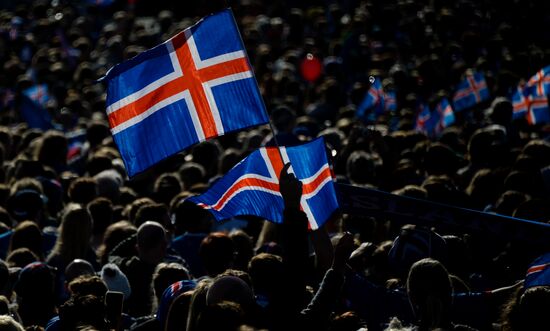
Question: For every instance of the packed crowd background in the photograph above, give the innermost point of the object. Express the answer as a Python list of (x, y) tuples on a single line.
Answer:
[(73, 226)]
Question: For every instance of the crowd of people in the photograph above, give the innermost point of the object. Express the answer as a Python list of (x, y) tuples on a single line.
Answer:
[(84, 247)]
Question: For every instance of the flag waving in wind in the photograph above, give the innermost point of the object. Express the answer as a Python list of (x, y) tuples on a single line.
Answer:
[(470, 91), (195, 86), (252, 186)]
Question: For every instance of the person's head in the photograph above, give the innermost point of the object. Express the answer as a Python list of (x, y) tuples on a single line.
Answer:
[(20, 257), (88, 285), (7, 323), (430, 293), (178, 312), (52, 150), (165, 275), (224, 315), (83, 190), (166, 187), (191, 173), (527, 309), (157, 212), (188, 217), (27, 234), (101, 210), (244, 249), (151, 242), (135, 206), (82, 310), (75, 231), (265, 271), (26, 200), (36, 293), (108, 184), (217, 252), (77, 268), (115, 234), (361, 168)]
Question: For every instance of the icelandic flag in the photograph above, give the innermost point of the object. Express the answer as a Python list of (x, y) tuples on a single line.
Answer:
[(32, 112), (195, 86), (424, 123), (540, 82), (389, 101), (470, 91), (538, 273), (374, 99), (445, 116), (38, 93), (520, 103), (252, 186), (539, 113)]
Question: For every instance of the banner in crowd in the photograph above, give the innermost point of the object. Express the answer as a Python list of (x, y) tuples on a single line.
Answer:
[(368, 202)]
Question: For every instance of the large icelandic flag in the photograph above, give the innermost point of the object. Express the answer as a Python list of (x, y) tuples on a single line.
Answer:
[(195, 86), (538, 273), (252, 186), (470, 91)]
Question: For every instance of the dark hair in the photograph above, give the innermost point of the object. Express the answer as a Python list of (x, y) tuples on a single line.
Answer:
[(88, 285), (217, 253), (27, 234), (156, 212), (83, 190), (430, 292), (101, 210), (114, 235), (165, 275)]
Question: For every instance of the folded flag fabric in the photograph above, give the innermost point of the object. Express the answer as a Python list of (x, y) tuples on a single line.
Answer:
[(252, 186), (470, 91), (390, 101), (195, 86), (538, 273)]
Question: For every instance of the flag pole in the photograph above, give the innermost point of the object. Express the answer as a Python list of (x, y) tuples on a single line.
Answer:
[(261, 97)]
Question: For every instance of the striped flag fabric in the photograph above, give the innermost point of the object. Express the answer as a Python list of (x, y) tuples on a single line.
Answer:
[(195, 86), (470, 91), (252, 186), (538, 273)]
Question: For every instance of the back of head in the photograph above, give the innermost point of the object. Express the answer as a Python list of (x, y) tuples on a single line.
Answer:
[(188, 217), (77, 268), (156, 212), (430, 292), (27, 234), (221, 316), (88, 285), (217, 253), (101, 210), (167, 274), (266, 271), (7, 323), (533, 308), (151, 242), (75, 233), (83, 190), (84, 310), (166, 187)]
